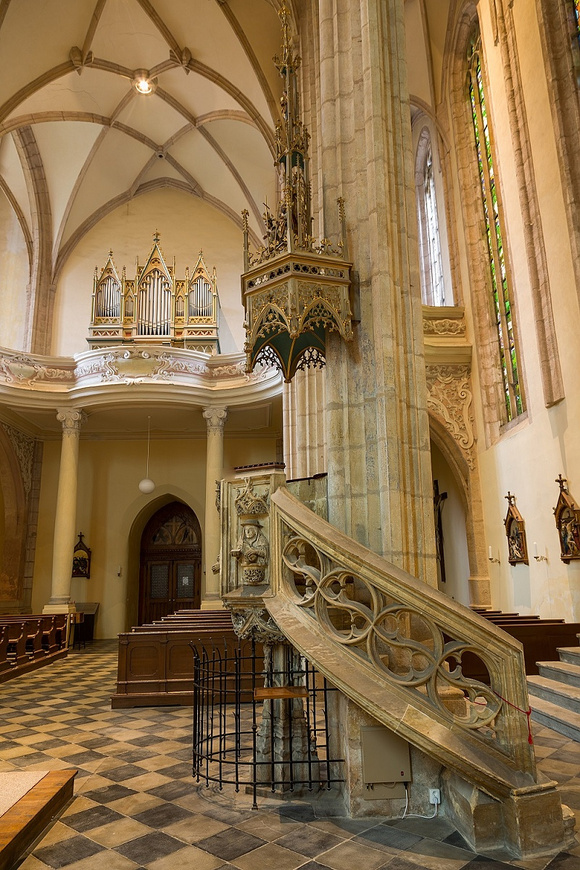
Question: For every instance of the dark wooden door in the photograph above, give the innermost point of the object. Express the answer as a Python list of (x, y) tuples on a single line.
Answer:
[(170, 563)]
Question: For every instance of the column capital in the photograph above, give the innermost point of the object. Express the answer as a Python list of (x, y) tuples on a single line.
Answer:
[(215, 418), (71, 418)]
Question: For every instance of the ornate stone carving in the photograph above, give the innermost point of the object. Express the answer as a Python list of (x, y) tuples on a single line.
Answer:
[(103, 366), (215, 418), (23, 446), (71, 418), (450, 398), (228, 371), (443, 327), (246, 534), (257, 624), (249, 503), (252, 552), (24, 370), (293, 287), (127, 366)]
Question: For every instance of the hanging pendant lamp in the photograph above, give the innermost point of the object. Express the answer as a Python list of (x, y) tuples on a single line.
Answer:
[(146, 485)]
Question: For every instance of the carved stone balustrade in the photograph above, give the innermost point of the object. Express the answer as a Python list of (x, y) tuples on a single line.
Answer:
[(394, 646), (176, 371)]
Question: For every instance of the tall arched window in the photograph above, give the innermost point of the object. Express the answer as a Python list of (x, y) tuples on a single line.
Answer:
[(435, 281), (503, 312)]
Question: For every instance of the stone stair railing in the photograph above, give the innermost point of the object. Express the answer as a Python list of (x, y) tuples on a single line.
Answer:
[(406, 640), (394, 646)]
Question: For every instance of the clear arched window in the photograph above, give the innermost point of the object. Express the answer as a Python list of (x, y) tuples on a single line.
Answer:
[(435, 281), (503, 313)]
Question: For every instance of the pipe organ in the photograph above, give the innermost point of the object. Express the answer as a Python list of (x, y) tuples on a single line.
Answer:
[(155, 307)]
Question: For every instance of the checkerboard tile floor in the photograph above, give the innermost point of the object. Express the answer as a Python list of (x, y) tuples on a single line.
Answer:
[(137, 806)]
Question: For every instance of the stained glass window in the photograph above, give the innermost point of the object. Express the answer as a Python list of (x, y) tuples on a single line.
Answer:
[(501, 297), (577, 13)]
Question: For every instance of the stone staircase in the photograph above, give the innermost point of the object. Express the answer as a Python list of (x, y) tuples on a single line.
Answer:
[(555, 693)]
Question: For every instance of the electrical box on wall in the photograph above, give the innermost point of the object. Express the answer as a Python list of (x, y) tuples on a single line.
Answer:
[(385, 756)]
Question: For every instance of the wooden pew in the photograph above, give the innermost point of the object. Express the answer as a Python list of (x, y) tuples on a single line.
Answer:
[(29, 641), (155, 666), (540, 638)]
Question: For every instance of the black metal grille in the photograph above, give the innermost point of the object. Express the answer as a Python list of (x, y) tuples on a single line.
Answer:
[(281, 742)]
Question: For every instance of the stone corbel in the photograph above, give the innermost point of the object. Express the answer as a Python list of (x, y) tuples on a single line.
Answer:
[(449, 398), (255, 623)]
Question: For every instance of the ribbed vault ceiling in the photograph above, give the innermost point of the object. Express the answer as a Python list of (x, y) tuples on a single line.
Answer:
[(77, 140)]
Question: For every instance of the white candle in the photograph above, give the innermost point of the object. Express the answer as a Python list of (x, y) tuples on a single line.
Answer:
[(490, 553), (535, 549)]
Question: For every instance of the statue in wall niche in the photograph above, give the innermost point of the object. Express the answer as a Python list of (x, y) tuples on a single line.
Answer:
[(252, 552), (567, 516), (515, 529)]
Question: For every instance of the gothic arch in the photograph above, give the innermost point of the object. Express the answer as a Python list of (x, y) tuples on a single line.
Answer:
[(434, 263), (466, 476), (142, 517)]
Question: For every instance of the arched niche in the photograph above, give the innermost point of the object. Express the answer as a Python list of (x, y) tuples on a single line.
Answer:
[(467, 512)]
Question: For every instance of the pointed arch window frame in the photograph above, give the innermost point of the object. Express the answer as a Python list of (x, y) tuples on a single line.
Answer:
[(435, 268)]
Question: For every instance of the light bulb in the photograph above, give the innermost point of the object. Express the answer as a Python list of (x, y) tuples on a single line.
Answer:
[(146, 485)]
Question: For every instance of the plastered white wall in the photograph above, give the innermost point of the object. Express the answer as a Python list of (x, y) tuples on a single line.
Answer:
[(545, 442), (14, 276)]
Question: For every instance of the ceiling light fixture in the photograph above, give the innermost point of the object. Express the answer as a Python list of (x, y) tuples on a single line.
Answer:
[(142, 82), (146, 485)]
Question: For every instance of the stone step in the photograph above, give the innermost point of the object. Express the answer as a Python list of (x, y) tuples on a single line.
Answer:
[(555, 692), (561, 672), (551, 716), (570, 654)]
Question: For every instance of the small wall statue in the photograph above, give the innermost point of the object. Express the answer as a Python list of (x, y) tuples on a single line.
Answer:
[(81, 566), (515, 529), (252, 552), (567, 516)]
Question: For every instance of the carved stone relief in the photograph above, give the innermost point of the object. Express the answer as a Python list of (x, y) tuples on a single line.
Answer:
[(245, 532), (257, 624), (23, 446), (443, 327), (450, 398)]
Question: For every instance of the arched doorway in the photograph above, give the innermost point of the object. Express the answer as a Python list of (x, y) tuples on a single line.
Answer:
[(170, 570)]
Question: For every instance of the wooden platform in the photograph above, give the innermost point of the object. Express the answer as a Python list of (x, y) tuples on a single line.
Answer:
[(23, 823)]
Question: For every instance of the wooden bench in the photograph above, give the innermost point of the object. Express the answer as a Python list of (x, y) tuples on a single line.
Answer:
[(28, 641), (156, 660), (155, 665), (540, 638)]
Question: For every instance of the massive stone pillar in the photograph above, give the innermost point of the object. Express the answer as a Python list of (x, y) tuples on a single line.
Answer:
[(304, 433), (379, 478), (66, 511), (215, 418)]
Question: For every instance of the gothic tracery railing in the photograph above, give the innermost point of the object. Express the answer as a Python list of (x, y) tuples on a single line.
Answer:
[(409, 635), (400, 641)]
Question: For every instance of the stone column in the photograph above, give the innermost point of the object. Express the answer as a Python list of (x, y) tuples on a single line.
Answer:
[(304, 433), (66, 511), (215, 418), (378, 459)]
